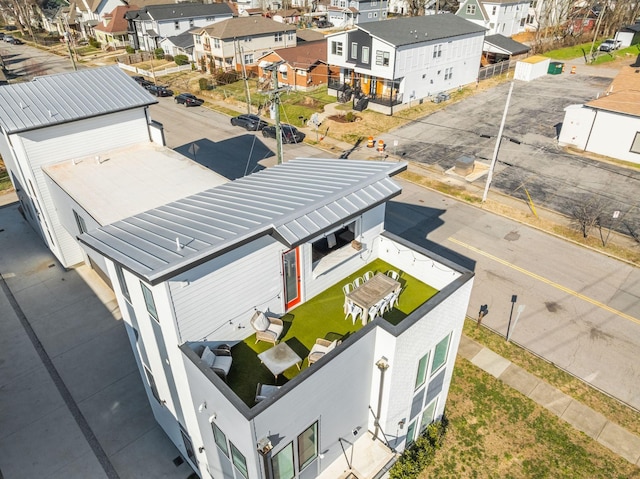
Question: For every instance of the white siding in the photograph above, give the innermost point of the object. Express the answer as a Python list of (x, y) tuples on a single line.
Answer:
[(613, 134), (65, 206), (577, 124), (215, 299), (371, 225), (422, 337), (425, 75), (74, 140)]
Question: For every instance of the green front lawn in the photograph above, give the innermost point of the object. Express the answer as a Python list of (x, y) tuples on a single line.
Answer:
[(320, 317)]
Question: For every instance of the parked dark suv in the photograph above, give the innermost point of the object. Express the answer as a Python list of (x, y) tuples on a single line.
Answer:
[(290, 134), (187, 99), (159, 90), (249, 122), (142, 81)]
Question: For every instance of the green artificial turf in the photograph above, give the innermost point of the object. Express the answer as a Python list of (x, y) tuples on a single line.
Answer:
[(320, 317)]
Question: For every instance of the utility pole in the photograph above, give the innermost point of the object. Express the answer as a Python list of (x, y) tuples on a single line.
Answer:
[(67, 37), (595, 34), (244, 77), (275, 95), (495, 150)]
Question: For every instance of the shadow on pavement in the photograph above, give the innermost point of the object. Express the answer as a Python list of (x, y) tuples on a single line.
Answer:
[(232, 158)]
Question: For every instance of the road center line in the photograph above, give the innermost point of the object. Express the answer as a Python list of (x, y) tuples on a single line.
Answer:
[(546, 281)]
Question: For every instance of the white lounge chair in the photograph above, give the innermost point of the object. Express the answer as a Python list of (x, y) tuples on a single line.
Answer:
[(267, 328), (322, 347)]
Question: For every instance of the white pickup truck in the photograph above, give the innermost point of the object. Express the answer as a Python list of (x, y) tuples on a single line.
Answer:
[(609, 44)]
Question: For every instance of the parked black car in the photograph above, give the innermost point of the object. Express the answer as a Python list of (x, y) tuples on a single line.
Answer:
[(15, 41), (8, 38), (159, 90), (290, 134), (187, 99), (324, 24), (249, 122), (142, 81)]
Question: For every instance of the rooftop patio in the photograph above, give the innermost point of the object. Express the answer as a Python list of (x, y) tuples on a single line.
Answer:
[(320, 317)]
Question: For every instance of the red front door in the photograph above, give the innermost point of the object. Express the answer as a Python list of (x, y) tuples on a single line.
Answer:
[(291, 268)]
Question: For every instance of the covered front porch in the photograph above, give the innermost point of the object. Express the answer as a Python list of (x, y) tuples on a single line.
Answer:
[(381, 94)]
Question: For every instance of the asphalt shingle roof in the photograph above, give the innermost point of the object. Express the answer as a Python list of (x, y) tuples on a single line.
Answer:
[(245, 26), (409, 30), (186, 10), (507, 44)]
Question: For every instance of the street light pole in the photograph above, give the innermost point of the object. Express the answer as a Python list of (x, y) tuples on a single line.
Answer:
[(495, 150)]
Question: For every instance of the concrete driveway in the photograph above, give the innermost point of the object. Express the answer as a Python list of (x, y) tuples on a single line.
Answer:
[(528, 156)]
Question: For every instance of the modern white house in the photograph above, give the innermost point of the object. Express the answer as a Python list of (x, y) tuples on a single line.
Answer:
[(404, 60), (504, 17), (299, 392), (41, 126), (150, 25), (191, 274), (610, 124), (240, 41)]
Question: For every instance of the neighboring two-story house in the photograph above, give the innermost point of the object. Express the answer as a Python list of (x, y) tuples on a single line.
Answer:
[(404, 60), (347, 13), (503, 17), (192, 257), (230, 44), (149, 25), (113, 30), (91, 12)]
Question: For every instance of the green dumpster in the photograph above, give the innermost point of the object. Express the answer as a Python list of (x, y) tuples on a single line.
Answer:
[(555, 68)]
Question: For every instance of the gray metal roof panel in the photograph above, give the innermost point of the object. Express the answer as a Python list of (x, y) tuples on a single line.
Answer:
[(67, 97), (176, 11), (410, 30), (298, 200)]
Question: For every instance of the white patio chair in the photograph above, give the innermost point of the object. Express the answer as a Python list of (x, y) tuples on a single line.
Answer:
[(376, 310), (367, 276), (322, 347), (267, 328), (353, 311), (346, 289), (393, 274), (264, 391), (358, 282)]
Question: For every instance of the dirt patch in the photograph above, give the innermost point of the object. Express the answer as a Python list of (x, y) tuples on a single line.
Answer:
[(344, 118)]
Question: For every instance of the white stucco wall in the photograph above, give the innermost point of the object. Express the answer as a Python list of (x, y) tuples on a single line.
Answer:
[(576, 126)]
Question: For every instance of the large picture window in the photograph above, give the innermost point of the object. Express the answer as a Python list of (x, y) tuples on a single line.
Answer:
[(336, 48), (220, 438), (239, 460), (333, 241), (440, 354), (308, 446), (382, 58), (148, 299), (282, 463), (123, 283), (422, 371), (427, 415)]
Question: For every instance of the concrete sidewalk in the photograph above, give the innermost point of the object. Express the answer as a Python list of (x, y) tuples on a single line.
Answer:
[(593, 424), (72, 404)]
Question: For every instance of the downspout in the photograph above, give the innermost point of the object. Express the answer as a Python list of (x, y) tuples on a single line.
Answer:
[(586, 144), (382, 365)]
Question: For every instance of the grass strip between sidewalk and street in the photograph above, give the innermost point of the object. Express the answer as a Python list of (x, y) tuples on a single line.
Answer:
[(496, 432), (579, 390)]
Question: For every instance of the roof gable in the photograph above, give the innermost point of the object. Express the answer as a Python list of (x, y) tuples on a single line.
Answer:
[(244, 26), (479, 13), (410, 30), (118, 22), (294, 202), (67, 97)]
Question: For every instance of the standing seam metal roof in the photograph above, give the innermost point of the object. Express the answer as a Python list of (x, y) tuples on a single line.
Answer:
[(66, 97), (294, 202)]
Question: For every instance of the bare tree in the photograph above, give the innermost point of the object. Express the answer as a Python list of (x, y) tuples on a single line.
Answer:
[(587, 213)]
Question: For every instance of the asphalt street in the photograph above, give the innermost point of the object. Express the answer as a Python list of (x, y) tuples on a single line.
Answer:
[(581, 309), (529, 157)]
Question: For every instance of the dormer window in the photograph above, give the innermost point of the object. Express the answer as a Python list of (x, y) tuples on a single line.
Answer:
[(471, 9)]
